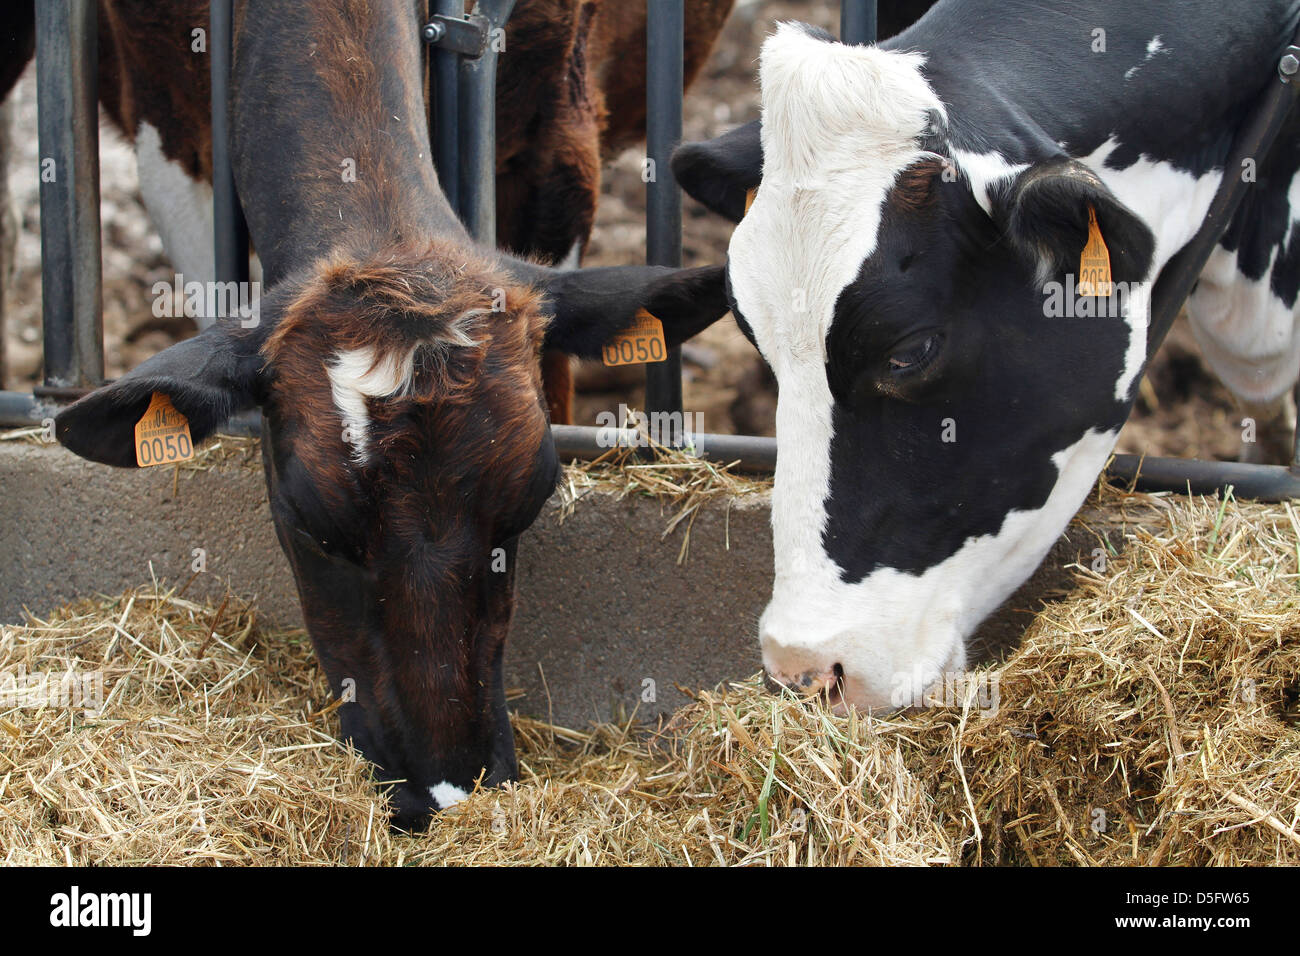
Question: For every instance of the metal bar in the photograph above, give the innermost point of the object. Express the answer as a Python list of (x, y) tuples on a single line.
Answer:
[(858, 21), (20, 409), (67, 61), (478, 144), (1183, 475), (229, 229), (583, 441), (444, 107), (665, 31)]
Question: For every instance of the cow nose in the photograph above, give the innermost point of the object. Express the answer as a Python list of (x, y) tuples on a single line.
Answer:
[(808, 682)]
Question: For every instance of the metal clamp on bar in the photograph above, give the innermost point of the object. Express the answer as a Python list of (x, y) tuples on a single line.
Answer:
[(467, 36)]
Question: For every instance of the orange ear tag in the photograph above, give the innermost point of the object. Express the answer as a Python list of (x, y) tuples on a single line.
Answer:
[(642, 341), (749, 199), (1094, 264), (162, 436)]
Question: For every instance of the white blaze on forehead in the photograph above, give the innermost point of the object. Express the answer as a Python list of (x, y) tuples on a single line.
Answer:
[(839, 125), (356, 374), (446, 795)]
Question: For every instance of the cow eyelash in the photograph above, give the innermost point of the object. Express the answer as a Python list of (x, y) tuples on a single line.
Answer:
[(914, 356)]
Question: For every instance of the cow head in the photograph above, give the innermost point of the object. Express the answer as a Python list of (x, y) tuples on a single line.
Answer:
[(937, 423), (406, 448)]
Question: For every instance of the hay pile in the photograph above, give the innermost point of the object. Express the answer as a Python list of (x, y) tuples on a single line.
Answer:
[(1150, 717)]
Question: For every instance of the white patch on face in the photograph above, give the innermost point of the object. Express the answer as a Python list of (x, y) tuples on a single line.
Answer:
[(839, 124), (896, 634), (446, 795), (983, 170), (180, 207), (356, 375)]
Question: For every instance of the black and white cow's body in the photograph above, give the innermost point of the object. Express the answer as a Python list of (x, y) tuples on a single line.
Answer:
[(923, 204)]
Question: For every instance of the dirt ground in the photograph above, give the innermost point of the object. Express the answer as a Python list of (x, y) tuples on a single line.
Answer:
[(1183, 412)]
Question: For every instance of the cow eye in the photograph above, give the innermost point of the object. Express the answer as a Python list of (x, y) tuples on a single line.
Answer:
[(915, 354)]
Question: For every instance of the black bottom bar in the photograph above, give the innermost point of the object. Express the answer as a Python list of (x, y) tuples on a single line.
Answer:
[(758, 454), (1179, 475)]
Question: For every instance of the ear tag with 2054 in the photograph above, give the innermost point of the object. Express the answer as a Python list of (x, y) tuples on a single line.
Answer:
[(1094, 263)]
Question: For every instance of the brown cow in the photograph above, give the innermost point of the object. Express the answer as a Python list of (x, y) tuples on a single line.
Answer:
[(405, 440)]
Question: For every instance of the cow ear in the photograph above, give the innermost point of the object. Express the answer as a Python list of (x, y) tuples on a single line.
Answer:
[(720, 172), (208, 378), (590, 306), (1045, 211)]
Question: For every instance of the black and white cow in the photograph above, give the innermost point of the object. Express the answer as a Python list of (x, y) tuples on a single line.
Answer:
[(908, 269)]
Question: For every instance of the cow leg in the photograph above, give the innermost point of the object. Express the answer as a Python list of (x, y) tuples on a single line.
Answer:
[(180, 207), (1250, 339), (1267, 431)]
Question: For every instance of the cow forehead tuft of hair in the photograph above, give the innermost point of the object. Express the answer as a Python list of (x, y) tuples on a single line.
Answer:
[(826, 104), (429, 297)]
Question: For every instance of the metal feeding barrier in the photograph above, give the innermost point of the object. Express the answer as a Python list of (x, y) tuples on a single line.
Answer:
[(463, 53)]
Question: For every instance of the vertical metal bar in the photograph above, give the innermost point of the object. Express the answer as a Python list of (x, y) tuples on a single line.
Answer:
[(444, 104), (858, 22), (665, 28), (67, 61), (478, 141), (229, 230)]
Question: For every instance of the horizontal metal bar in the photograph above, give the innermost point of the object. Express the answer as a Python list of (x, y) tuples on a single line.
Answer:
[(758, 454), (583, 441), (1184, 475), (21, 409)]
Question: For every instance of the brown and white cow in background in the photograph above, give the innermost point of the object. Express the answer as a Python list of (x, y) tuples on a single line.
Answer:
[(571, 96), (405, 437)]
